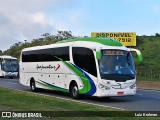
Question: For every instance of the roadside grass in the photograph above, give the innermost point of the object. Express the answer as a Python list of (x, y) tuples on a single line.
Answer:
[(13, 100), (24, 101)]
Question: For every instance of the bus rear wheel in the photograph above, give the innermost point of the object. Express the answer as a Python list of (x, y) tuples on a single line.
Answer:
[(74, 91), (33, 86)]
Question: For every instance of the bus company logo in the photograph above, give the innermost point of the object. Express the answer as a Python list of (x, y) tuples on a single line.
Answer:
[(58, 66), (119, 85), (41, 67)]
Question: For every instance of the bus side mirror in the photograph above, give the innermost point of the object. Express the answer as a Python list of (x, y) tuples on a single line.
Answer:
[(139, 54), (98, 55)]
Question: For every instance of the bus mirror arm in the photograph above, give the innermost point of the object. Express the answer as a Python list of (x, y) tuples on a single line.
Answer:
[(139, 54), (98, 55)]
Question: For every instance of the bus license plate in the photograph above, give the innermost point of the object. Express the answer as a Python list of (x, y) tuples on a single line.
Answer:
[(120, 93)]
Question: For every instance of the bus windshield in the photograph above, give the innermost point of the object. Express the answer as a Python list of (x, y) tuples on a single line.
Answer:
[(10, 65), (116, 65)]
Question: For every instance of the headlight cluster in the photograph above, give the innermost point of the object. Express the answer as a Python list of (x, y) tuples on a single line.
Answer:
[(3, 73), (103, 87), (133, 86)]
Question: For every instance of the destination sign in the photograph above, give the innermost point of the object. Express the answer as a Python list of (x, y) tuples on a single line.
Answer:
[(113, 52), (126, 38)]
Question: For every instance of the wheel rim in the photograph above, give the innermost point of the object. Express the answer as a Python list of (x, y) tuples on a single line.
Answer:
[(33, 86), (75, 91)]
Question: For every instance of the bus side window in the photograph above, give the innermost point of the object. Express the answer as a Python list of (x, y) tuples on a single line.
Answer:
[(84, 58), (44, 55)]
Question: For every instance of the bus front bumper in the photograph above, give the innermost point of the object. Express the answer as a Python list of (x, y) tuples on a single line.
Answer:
[(10, 74), (116, 92)]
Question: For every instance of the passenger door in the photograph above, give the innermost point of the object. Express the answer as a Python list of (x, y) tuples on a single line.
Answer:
[(85, 60)]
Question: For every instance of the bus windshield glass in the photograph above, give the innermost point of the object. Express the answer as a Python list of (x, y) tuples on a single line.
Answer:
[(10, 65), (116, 65)]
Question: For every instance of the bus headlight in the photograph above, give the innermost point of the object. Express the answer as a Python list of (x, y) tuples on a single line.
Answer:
[(3, 73), (133, 86), (103, 87)]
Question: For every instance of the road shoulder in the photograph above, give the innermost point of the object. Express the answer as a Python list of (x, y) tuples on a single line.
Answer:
[(149, 85)]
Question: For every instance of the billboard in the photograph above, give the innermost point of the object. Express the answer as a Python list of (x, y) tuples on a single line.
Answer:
[(126, 38)]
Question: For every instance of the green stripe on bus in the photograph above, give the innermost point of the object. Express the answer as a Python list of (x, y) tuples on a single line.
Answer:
[(52, 87), (87, 86)]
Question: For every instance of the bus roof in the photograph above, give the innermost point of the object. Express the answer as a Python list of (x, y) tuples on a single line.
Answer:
[(7, 57), (98, 42), (101, 40)]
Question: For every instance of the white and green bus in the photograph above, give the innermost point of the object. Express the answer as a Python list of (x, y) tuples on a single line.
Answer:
[(92, 66), (9, 66)]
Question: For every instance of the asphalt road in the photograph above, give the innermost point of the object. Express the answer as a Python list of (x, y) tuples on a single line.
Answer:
[(144, 100)]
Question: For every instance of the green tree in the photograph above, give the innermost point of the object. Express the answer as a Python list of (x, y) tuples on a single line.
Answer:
[(157, 34), (46, 39)]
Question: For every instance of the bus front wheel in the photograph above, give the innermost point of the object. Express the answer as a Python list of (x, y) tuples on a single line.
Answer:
[(74, 91)]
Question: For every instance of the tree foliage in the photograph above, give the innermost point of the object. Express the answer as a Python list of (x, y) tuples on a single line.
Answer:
[(157, 34), (46, 39), (150, 48)]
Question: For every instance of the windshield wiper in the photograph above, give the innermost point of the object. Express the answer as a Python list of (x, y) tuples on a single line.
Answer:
[(131, 76)]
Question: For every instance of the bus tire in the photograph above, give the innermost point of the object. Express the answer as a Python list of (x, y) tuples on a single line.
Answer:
[(33, 86), (74, 91)]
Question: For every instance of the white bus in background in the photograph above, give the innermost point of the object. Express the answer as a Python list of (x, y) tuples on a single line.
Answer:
[(9, 66), (100, 67)]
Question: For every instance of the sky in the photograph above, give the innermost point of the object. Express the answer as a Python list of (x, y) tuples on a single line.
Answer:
[(28, 19)]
